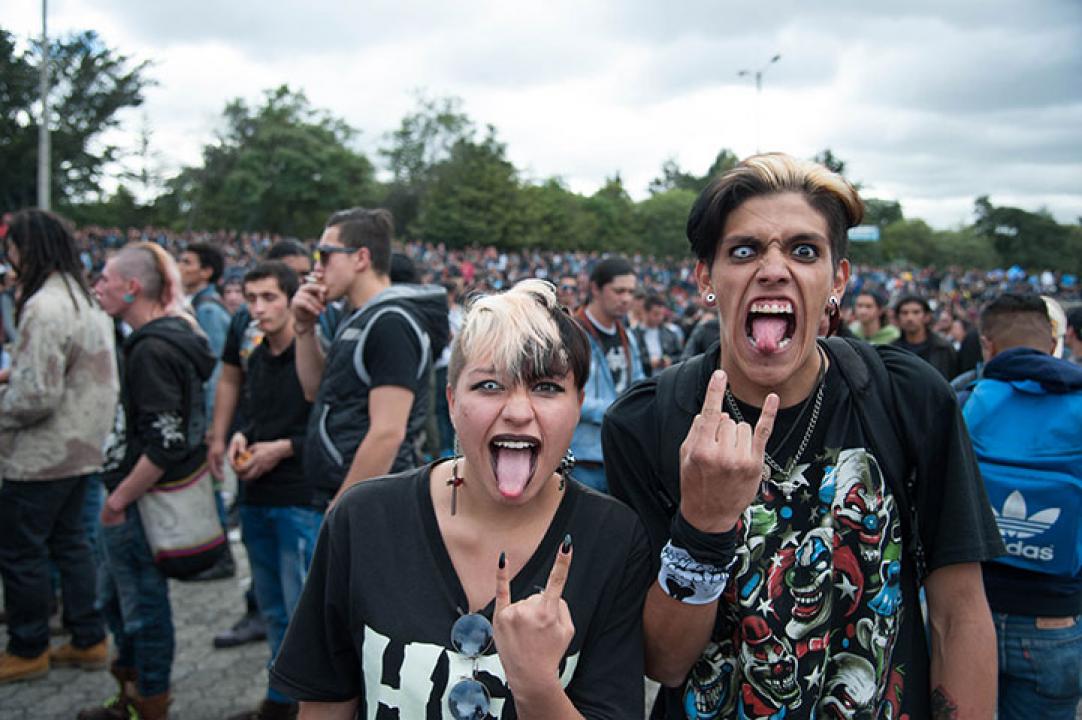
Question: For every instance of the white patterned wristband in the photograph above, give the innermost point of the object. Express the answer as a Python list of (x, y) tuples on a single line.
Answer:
[(684, 578)]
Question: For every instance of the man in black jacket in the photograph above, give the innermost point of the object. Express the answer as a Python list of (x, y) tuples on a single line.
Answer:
[(914, 317), (371, 387), (166, 361)]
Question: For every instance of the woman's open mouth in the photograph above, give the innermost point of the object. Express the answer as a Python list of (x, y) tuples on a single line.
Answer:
[(770, 325), (514, 461)]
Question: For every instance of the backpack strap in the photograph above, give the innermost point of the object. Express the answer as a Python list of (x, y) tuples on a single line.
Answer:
[(864, 372)]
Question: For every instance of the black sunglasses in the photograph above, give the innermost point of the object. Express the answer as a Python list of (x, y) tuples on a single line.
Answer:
[(471, 636), (329, 250), (569, 288)]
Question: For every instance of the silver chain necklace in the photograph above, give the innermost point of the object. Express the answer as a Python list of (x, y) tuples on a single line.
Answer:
[(769, 461)]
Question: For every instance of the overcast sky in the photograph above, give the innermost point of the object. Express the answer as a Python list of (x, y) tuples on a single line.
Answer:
[(929, 103)]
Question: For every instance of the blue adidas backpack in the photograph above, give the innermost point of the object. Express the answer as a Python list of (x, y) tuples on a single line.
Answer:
[(1029, 445)]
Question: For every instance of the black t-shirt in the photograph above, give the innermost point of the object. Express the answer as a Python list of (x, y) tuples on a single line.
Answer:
[(616, 355), (374, 620), (277, 410), (821, 611)]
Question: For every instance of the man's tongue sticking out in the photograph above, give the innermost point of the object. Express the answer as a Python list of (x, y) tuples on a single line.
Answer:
[(513, 469), (768, 331)]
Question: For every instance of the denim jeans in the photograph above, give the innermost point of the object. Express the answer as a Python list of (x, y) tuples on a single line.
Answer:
[(134, 597), (42, 521), (1040, 670), (280, 541)]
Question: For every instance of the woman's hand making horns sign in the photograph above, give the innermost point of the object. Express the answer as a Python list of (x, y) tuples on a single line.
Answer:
[(721, 461)]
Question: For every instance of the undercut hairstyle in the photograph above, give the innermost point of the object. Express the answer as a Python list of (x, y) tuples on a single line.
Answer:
[(369, 229), (771, 174), (156, 271), (609, 269), (287, 278), (653, 301), (524, 334), (45, 244), (288, 248), (1017, 320), (909, 300), (1074, 322), (209, 257)]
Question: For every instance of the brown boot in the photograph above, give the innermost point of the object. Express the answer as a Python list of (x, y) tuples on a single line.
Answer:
[(155, 707), (95, 657), (119, 706), (14, 667)]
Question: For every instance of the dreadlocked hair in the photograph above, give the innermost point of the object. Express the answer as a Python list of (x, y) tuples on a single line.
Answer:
[(45, 244)]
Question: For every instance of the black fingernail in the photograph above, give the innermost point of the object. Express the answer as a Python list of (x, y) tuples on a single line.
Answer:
[(566, 547), (503, 560)]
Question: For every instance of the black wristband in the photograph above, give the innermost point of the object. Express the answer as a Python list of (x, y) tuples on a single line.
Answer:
[(717, 549)]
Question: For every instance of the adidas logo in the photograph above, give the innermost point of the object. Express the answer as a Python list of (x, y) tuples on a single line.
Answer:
[(1014, 523)]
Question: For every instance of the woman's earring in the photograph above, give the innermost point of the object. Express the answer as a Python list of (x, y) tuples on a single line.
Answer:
[(834, 308), (567, 463), (710, 298)]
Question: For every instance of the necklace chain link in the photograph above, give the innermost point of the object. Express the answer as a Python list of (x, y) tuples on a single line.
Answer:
[(731, 402)]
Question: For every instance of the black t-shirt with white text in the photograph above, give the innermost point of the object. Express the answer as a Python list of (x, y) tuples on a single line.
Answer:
[(616, 355), (374, 620)]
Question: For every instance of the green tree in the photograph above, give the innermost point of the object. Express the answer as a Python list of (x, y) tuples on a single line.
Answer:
[(282, 167), (674, 178), (424, 138), (90, 85), (910, 241), (613, 214), (1033, 240), (471, 198), (881, 212), (660, 222), (551, 216), (830, 161)]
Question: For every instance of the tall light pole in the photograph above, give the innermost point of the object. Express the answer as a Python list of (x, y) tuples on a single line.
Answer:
[(758, 92), (44, 200)]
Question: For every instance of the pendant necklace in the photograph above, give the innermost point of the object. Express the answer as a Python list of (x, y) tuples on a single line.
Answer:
[(769, 463)]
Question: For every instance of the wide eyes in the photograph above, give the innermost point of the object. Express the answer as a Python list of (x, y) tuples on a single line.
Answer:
[(541, 387), (800, 251)]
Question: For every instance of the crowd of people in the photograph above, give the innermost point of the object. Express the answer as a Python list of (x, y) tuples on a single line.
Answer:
[(482, 483)]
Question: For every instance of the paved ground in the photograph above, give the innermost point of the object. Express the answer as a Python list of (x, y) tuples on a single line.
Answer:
[(208, 684)]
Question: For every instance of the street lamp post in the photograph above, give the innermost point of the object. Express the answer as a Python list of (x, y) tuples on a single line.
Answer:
[(758, 92), (44, 145)]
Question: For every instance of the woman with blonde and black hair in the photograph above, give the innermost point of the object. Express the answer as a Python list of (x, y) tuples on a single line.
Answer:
[(798, 492), (449, 591), (164, 362)]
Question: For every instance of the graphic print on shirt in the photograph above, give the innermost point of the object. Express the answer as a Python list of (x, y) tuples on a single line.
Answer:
[(616, 359), (415, 678), (810, 617)]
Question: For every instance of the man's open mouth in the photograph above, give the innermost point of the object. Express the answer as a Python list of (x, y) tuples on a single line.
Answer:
[(770, 325), (514, 461)]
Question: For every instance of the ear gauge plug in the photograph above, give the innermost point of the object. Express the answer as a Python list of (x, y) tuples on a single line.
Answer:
[(503, 560), (710, 297)]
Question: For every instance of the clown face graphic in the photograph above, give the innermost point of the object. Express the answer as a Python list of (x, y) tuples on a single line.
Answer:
[(849, 693), (859, 505), (770, 669), (809, 583), (711, 688)]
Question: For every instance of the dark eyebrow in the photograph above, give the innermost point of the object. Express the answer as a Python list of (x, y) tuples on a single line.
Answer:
[(751, 239)]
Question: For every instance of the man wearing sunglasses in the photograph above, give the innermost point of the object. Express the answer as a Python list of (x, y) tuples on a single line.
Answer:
[(371, 386)]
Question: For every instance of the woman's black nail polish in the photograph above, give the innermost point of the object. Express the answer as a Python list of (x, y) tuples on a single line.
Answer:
[(565, 548), (503, 560)]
